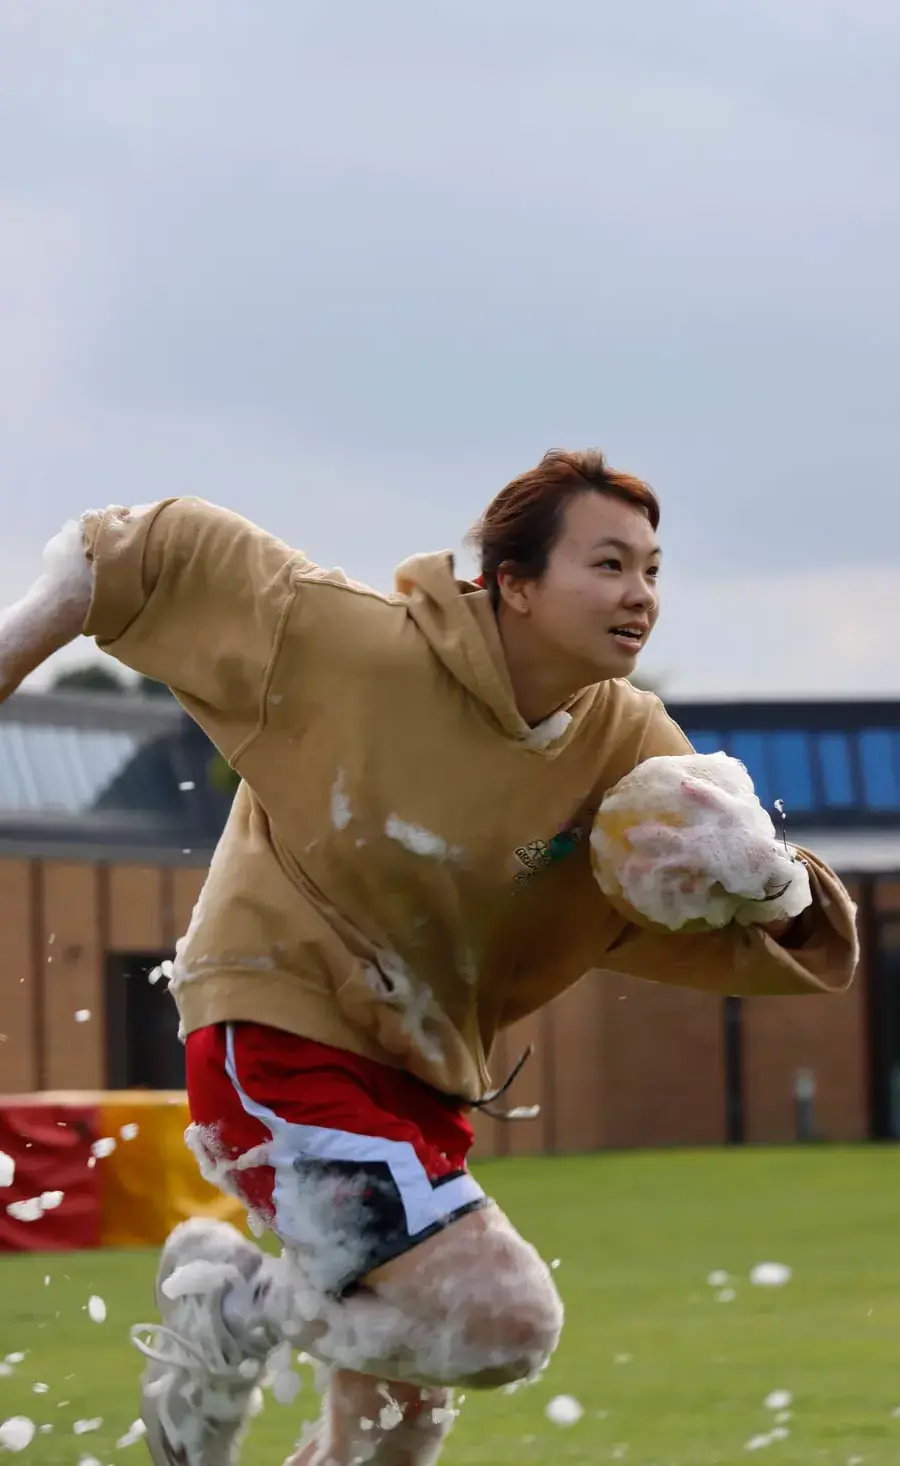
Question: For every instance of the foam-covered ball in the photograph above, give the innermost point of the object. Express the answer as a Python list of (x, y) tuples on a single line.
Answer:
[(682, 843)]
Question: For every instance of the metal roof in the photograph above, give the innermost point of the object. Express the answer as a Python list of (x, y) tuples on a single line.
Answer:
[(853, 852), (59, 752)]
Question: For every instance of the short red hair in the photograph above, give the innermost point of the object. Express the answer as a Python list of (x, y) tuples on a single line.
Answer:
[(522, 524)]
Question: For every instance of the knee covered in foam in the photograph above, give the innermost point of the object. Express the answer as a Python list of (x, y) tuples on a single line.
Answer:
[(515, 1344), (503, 1322)]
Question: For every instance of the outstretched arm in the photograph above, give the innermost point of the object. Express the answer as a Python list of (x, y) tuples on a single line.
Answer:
[(50, 614), (182, 591)]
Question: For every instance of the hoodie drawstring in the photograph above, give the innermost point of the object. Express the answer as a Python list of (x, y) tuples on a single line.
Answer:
[(521, 1112)]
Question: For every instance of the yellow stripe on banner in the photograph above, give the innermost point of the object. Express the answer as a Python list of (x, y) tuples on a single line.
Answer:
[(150, 1182)]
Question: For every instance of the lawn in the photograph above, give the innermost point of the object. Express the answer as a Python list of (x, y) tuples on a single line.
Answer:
[(667, 1372)]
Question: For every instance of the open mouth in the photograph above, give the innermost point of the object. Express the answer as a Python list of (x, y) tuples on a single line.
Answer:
[(627, 636)]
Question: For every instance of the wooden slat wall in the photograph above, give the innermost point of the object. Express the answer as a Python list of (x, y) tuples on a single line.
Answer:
[(827, 1035), (72, 948), (136, 915), (617, 1062), (19, 1016)]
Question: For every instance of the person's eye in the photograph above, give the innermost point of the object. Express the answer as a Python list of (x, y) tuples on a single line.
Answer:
[(654, 570), (610, 564)]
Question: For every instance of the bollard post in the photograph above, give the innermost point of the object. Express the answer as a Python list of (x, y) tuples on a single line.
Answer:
[(804, 1095)]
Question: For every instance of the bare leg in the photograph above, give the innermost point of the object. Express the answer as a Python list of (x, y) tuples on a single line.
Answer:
[(383, 1422), (473, 1306)]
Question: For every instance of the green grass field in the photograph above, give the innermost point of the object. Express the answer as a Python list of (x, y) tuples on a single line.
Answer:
[(666, 1374)]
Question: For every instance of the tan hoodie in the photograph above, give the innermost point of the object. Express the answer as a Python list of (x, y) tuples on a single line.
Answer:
[(405, 870)]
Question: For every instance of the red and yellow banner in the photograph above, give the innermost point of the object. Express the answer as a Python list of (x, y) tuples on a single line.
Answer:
[(106, 1169)]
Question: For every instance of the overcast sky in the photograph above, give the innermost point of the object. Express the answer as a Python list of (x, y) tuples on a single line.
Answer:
[(349, 266)]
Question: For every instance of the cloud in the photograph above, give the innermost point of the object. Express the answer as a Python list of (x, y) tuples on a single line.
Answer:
[(784, 635), (349, 277)]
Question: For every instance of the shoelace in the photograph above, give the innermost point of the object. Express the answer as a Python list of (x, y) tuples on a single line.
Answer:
[(218, 1370)]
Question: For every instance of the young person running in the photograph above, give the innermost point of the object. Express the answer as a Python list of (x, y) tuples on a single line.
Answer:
[(404, 873)]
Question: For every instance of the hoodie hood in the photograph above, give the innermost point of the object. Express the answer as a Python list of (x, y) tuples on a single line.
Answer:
[(458, 622)]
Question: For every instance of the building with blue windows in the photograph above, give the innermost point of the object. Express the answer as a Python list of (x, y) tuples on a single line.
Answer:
[(110, 809), (835, 765)]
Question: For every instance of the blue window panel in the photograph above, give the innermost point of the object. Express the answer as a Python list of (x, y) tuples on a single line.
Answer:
[(879, 774), (706, 742), (837, 770), (750, 748), (791, 765)]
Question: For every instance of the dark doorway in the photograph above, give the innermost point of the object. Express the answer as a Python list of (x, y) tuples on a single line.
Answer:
[(885, 1026), (143, 1050)]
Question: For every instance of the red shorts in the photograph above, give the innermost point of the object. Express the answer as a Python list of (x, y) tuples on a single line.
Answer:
[(349, 1162)]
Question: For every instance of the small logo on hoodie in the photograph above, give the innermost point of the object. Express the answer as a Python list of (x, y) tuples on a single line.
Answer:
[(540, 853)]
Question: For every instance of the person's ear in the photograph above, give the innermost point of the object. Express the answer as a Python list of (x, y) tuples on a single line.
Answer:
[(515, 590)]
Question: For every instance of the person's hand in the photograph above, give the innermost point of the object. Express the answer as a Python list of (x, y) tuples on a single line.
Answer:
[(778, 928), (684, 841), (50, 614), (713, 873)]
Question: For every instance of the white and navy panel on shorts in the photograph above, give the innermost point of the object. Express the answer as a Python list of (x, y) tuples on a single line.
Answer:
[(348, 1203)]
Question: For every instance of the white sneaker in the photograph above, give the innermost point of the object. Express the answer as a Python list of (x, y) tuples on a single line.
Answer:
[(196, 1390)]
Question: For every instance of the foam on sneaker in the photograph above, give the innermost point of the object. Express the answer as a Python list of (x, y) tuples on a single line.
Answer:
[(196, 1388)]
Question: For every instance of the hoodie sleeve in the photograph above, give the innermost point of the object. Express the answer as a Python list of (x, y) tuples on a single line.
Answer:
[(818, 955), (196, 597)]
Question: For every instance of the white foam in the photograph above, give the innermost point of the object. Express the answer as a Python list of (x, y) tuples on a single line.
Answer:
[(7, 1169), (135, 1432), (54, 607), (341, 813), (412, 998), (96, 1309), (564, 1410), (418, 840), (199, 1277), (390, 1416), (770, 1275), (696, 845), (30, 1210), (548, 732), (17, 1433)]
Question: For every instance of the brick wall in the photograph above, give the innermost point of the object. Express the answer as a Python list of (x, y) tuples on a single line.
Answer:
[(826, 1035)]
